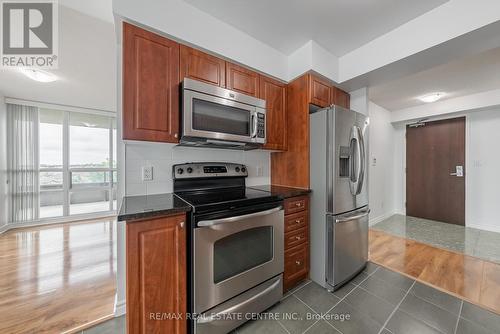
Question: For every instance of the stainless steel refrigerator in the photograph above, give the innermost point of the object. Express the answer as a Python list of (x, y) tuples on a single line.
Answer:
[(339, 202)]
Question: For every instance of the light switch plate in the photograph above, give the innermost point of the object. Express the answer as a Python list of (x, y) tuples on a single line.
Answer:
[(147, 173)]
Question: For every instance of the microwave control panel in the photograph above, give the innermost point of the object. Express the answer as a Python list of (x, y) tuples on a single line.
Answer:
[(261, 125)]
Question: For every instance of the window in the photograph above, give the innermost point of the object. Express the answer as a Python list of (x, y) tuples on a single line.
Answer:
[(77, 163)]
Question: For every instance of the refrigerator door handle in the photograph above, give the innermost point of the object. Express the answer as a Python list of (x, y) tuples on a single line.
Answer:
[(357, 167), (349, 218), (362, 161)]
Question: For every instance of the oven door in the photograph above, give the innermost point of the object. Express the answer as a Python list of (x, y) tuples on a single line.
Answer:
[(234, 254), (211, 117)]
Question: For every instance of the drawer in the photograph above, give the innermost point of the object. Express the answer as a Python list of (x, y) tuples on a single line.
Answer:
[(296, 237), (296, 262), (296, 204), (296, 221)]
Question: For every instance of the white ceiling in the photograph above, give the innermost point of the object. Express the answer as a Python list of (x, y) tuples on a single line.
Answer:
[(467, 76), (101, 9), (339, 26), (87, 66)]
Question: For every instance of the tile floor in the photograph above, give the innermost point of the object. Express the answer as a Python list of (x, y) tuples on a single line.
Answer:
[(466, 240), (376, 301)]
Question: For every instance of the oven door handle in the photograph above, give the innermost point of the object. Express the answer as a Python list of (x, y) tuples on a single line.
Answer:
[(214, 317), (206, 223)]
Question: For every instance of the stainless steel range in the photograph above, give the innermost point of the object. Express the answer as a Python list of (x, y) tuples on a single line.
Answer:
[(236, 245)]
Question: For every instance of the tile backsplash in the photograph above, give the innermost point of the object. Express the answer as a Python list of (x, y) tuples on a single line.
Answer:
[(162, 156)]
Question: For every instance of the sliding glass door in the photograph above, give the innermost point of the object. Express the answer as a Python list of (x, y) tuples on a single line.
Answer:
[(77, 163)]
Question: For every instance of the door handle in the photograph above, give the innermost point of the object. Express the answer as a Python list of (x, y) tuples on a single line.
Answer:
[(205, 223), (254, 125), (459, 171), (232, 309), (361, 150), (349, 218)]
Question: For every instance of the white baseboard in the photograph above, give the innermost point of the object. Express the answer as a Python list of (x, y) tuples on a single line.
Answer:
[(490, 228), (4, 228), (59, 220), (380, 218), (120, 307)]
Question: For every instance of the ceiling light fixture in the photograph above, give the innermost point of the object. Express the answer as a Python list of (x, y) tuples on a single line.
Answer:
[(429, 98), (38, 75)]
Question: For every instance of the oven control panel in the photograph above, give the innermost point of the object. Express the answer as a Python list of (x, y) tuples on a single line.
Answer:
[(194, 170)]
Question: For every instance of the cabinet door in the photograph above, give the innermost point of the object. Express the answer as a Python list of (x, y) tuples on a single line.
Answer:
[(150, 86), (319, 92), (156, 275), (274, 92), (242, 80), (341, 98), (203, 67)]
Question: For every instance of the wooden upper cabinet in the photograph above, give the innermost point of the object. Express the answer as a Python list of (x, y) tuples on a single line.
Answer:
[(156, 275), (341, 98), (203, 67), (242, 80), (274, 92), (319, 91), (150, 86)]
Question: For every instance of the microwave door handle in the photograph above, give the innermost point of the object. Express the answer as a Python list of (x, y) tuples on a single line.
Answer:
[(207, 223), (254, 124)]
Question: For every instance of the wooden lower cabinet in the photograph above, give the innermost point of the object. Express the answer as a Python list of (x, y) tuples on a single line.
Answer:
[(156, 275), (296, 241)]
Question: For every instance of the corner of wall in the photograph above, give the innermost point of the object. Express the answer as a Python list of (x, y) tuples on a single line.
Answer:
[(3, 164)]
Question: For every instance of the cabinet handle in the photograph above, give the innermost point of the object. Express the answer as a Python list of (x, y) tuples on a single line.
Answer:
[(181, 224), (176, 135), (298, 204), (298, 263), (297, 221), (297, 238)]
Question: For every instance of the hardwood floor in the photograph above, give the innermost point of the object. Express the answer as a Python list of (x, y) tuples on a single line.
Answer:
[(467, 277), (58, 278)]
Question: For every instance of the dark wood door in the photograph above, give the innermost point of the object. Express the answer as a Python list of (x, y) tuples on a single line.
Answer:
[(432, 153), (156, 275), (342, 98), (242, 80), (150, 86), (203, 67), (319, 91), (274, 92)]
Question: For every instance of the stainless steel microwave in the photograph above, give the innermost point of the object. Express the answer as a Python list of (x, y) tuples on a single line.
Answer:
[(217, 117)]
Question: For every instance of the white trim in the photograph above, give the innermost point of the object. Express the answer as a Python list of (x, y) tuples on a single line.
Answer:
[(380, 218), (4, 228), (467, 209), (491, 228), (57, 220), (45, 105), (120, 307)]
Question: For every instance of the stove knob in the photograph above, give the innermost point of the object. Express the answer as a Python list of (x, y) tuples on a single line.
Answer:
[(237, 169), (243, 169), (189, 170), (180, 171)]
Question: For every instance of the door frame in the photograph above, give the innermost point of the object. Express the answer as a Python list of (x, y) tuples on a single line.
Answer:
[(466, 165)]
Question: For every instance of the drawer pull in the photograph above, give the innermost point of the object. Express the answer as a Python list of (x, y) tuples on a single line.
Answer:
[(298, 263), (298, 204), (297, 238), (297, 221)]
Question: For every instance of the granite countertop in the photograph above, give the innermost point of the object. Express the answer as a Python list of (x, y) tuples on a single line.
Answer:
[(283, 192), (147, 206)]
